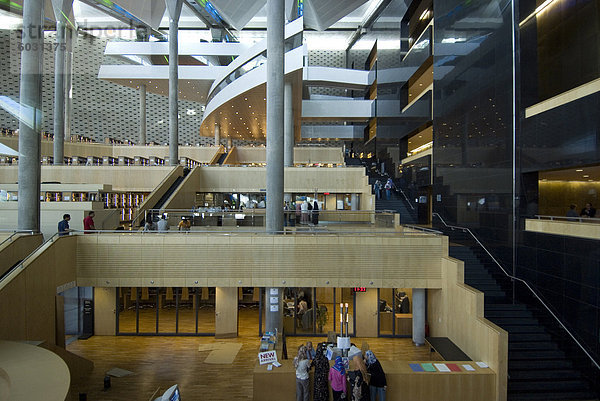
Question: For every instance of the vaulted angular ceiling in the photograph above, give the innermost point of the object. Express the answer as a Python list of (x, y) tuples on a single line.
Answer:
[(318, 14), (321, 14), (238, 13)]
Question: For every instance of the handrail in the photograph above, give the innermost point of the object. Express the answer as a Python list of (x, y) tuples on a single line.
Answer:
[(15, 233), (5, 278), (424, 229), (571, 219), (405, 197), (535, 294)]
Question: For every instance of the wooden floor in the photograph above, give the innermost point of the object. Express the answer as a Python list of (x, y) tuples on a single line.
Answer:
[(160, 362)]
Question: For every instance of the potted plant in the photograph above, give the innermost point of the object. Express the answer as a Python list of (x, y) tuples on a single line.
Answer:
[(322, 317)]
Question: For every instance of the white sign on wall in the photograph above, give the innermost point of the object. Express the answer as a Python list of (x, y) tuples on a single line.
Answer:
[(267, 357)]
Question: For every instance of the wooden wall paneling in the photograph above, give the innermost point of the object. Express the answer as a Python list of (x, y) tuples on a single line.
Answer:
[(59, 338)]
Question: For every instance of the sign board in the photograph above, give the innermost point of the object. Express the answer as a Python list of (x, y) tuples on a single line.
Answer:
[(274, 308), (274, 300), (267, 357), (274, 291)]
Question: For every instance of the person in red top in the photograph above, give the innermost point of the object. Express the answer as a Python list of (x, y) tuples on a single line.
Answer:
[(88, 222)]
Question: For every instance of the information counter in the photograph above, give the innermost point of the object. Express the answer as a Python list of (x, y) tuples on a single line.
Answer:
[(404, 384)]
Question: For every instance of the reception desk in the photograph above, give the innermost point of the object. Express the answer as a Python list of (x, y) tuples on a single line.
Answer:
[(403, 383)]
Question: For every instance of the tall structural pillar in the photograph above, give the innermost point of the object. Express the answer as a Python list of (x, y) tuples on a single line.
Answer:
[(30, 116), (288, 119), (142, 139), (70, 37), (275, 89), (174, 7), (217, 134), (61, 9), (418, 309), (273, 309), (59, 92)]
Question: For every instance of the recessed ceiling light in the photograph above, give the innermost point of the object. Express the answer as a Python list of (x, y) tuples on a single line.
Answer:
[(579, 170), (586, 176)]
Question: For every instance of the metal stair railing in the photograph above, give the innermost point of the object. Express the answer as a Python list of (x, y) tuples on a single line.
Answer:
[(533, 292), (16, 232)]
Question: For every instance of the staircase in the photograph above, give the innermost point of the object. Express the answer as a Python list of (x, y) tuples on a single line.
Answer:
[(397, 204), (538, 369)]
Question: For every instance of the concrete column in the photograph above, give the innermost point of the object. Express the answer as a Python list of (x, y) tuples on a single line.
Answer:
[(174, 7), (288, 118), (354, 204), (30, 118), (69, 83), (229, 143), (217, 135), (142, 139), (418, 309), (273, 309), (59, 92), (275, 88)]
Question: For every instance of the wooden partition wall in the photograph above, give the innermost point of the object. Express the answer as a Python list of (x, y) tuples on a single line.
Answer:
[(28, 298), (17, 249), (456, 312)]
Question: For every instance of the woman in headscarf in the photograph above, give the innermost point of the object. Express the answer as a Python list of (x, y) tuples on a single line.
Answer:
[(302, 365), (337, 378), (357, 375), (321, 389), (377, 384), (315, 213)]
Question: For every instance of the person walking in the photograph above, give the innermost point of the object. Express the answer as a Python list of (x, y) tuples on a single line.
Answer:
[(378, 187), (337, 379), (321, 388), (377, 383), (388, 188), (88, 223), (302, 365), (63, 225)]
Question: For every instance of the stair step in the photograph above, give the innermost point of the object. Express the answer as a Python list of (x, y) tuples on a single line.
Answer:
[(523, 329), (535, 354), (571, 395), (547, 364), (515, 321), (506, 307), (531, 345), (508, 314), (561, 374), (547, 386), (524, 337)]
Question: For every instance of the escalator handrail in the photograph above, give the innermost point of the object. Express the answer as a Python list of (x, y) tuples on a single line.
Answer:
[(533, 292)]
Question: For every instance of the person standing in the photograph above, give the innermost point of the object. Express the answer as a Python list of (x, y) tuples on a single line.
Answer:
[(63, 225), (163, 224), (321, 389), (588, 211), (337, 379), (302, 365), (315, 213), (377, 383), (304, 208), (572, 212), (88, 223)]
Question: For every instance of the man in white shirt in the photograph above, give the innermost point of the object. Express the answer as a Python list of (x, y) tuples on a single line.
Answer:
[(163, 224)]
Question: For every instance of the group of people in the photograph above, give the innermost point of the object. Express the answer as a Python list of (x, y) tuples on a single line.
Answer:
[(365, 376), (588, 211), (306, 212), (388, 186), (88, 224), (163, 224)]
